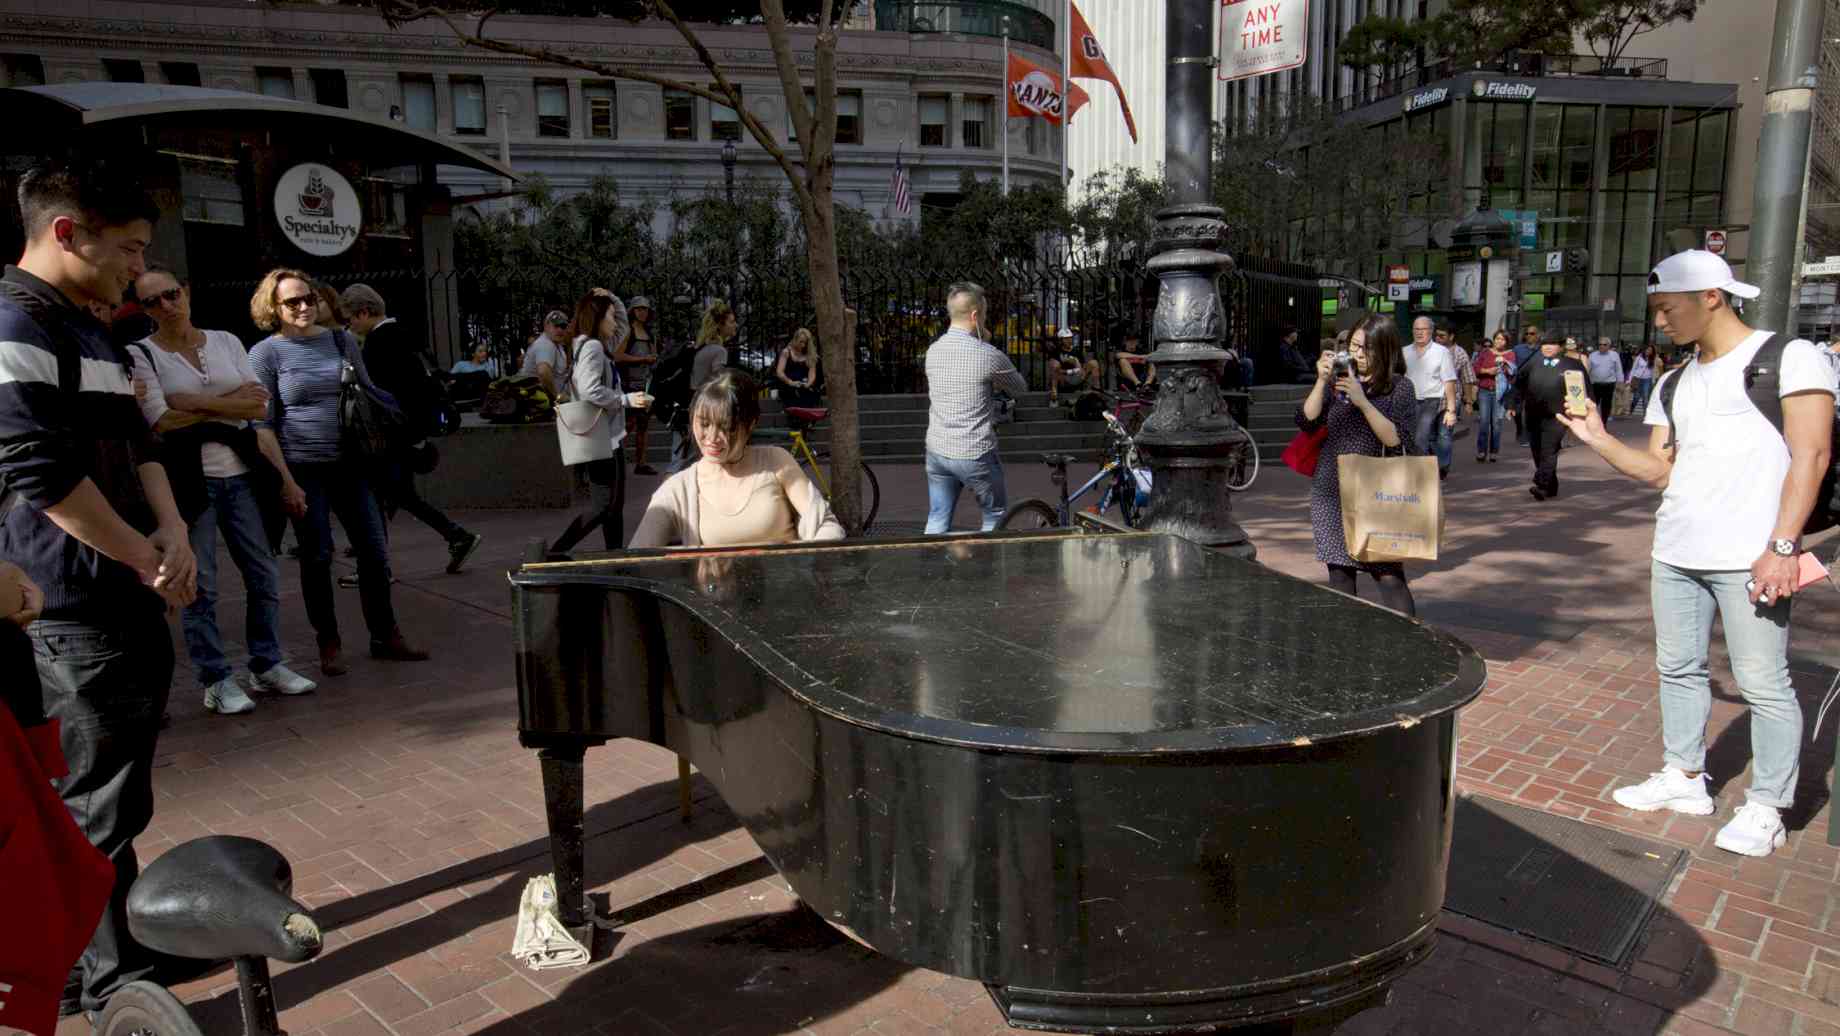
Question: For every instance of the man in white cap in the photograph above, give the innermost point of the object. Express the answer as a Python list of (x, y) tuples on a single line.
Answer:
[(1066, 371), (1738, 447)]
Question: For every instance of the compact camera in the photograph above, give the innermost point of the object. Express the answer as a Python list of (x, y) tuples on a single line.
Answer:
[(1341, 366)]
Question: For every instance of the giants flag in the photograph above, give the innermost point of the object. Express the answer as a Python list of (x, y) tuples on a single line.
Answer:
[(1035, 92), (903, 194), (1089, 63)]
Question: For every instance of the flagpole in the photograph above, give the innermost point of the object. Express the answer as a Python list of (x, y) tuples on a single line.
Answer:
[(1066, 129), (1004, 105)]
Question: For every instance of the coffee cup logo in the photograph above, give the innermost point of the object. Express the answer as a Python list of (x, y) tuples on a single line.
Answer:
[(318, 209), (316, 199)]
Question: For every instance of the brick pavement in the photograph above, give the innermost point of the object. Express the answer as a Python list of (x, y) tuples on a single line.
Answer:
[(413, 818)]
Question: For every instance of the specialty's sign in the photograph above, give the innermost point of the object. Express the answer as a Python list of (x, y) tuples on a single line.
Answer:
[(1426, 99), (1262, 36), (1496, 90), (318, 209)]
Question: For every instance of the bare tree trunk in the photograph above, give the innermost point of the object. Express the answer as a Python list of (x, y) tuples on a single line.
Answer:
[(837, 338)]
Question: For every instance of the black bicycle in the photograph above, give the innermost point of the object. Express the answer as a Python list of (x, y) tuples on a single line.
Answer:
[(1122, 479)]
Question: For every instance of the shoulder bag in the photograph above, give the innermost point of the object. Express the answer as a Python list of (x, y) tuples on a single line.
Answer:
[(576, 422)]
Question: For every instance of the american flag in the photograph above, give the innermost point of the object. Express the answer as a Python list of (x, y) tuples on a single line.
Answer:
[(903, 196)]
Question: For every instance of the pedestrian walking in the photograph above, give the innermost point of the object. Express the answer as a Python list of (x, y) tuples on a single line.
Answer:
[(1494, 372), (86, 513), (1434, 377), (1368, 407), (1737, 487), (963, 374), (201, 394), (302, 366), (711, 356), (1606, 371), (634, 359), (1642, 378), (1539, 395), (1467, 386), (600, 318), (1524, 352), (395, 363)]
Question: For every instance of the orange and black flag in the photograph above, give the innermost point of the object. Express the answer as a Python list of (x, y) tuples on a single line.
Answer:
[(1089, 63), (1035, 92)]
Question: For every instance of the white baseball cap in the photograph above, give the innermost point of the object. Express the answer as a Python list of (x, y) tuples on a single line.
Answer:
[(1697, 270), (1066, 332)]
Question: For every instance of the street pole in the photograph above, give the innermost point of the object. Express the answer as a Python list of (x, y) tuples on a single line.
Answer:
[(1066, 136), (1005, 106), (729, 156), (1190, 439), (504, 141), (1782, 163)]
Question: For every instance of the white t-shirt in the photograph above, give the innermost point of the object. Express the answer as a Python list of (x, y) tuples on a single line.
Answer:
[(1430, 370), (1720, 504), (226, 368)]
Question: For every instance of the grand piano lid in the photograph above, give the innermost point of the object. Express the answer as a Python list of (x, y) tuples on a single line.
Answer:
[(1126, 644)]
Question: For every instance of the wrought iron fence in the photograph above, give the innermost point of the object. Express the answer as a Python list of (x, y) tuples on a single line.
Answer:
[(897, 315)]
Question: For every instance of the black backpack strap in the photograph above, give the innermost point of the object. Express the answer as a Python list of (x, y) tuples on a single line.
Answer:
[(1666, 392), (1763, 379)]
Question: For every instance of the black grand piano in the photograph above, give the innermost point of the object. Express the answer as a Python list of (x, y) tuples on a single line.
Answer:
[(1130, 784)]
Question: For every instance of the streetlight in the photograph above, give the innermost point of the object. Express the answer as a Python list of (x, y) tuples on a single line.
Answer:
[(729, 155)]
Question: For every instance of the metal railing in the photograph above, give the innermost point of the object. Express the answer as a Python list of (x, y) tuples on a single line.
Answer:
[(897, 314), (971, 17)]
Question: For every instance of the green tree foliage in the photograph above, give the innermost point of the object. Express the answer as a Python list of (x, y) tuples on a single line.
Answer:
[(1467, 32), (1616, 23)]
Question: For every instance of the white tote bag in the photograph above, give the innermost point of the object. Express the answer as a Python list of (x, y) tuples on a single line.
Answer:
[(575, 433)]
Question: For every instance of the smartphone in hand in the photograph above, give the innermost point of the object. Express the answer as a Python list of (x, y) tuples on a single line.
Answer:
[(1575, 396)]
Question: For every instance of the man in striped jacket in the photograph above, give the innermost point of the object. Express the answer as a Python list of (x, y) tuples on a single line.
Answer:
[(86, 511)]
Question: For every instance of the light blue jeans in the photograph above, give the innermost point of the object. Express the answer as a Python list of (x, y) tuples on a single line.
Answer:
[(233, 510), (1757, 639), (1488, 422), (1432, 435), (946, 476)]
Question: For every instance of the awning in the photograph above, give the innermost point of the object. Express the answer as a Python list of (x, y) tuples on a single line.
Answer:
[(52, 112)]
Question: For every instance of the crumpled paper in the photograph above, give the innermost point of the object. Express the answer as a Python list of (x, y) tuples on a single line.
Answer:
[(541, 941)]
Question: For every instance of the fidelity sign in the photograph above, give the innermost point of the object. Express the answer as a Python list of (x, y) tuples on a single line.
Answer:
[(1427, 98), (1488, 90), (1261, 36), (318, 209)]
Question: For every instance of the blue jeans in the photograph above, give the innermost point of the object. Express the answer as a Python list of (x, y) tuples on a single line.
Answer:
[(1638, 393), (1488, 422), (946, 476), (1757, 639), (341, 488), (1432, 429), (232, 505)]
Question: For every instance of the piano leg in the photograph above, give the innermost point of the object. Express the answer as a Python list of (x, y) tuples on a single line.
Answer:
[(683, 789), (562, 795)]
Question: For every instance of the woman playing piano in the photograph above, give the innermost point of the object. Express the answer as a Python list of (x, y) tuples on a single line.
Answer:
[(735, 494)]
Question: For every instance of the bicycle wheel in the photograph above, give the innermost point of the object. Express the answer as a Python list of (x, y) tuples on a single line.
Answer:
[(1125, 489), (1033, 513), (145, 1009), (869, 490)]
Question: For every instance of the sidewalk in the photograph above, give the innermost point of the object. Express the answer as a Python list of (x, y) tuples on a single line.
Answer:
[(413, 818)]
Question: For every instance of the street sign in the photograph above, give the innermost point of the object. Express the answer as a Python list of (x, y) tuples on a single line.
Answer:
[(1398, 292), (1398, 273), (1258, 37), (1526, 225), (1610, 305), (1715, 242), (1829, 268), (1555, 262)]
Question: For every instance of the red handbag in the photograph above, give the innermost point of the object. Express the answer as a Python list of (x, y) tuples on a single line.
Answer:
[(1304, 451)]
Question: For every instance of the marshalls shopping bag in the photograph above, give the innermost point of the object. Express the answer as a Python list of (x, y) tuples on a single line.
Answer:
[(1392, 507)]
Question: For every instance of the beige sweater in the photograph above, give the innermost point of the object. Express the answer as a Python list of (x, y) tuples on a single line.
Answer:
[(673, 516)]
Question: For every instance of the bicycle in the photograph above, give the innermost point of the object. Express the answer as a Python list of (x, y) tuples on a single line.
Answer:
[(1126, 481), (218, 897), (816, 460)]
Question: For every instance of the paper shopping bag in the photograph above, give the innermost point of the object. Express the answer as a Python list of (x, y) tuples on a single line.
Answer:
[(1392, 507)]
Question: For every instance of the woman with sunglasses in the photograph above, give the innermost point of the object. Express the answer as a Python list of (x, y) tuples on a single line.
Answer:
[(201, 393), (300, 366)]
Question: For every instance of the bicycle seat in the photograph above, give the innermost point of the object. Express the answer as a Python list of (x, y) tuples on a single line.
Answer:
[(808, 414), (1058, 459), (221, 897)]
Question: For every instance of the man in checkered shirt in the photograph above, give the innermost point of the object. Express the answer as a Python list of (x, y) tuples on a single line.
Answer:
[(963, 374)]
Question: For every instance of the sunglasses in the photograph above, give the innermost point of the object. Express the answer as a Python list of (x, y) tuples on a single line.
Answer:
[(300, 302), (161, 298)]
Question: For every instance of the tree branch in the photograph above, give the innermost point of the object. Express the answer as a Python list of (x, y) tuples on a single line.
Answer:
[(774, 11)]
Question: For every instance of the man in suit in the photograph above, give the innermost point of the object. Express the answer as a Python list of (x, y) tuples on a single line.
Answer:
[(391, 355), (1539, 395)]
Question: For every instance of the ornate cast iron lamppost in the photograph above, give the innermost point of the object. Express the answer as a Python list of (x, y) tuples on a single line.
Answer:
[(1190, 438)]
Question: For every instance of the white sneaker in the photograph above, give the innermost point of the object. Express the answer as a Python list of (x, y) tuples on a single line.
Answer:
[(226, 697), (281, 680), (1669, 789), (1756, 830)]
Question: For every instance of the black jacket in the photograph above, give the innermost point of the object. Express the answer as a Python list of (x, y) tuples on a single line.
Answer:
[(393, 357), (1541, 389)]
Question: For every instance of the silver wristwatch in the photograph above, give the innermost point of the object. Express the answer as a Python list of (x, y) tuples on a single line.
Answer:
[(1783, 548)]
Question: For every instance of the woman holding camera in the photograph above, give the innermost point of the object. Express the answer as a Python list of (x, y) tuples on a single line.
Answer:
[(1365, 399)]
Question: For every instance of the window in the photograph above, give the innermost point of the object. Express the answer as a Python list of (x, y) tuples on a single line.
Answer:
[(418, 103), (209, 190), (849, 117), (329, 87), (976, 123), (469, 106), (603, 118), (679, 115), (22, 70), (933, 121), (180, 73), (724, 124), (123, 70), (552, 108), (275, 82)]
